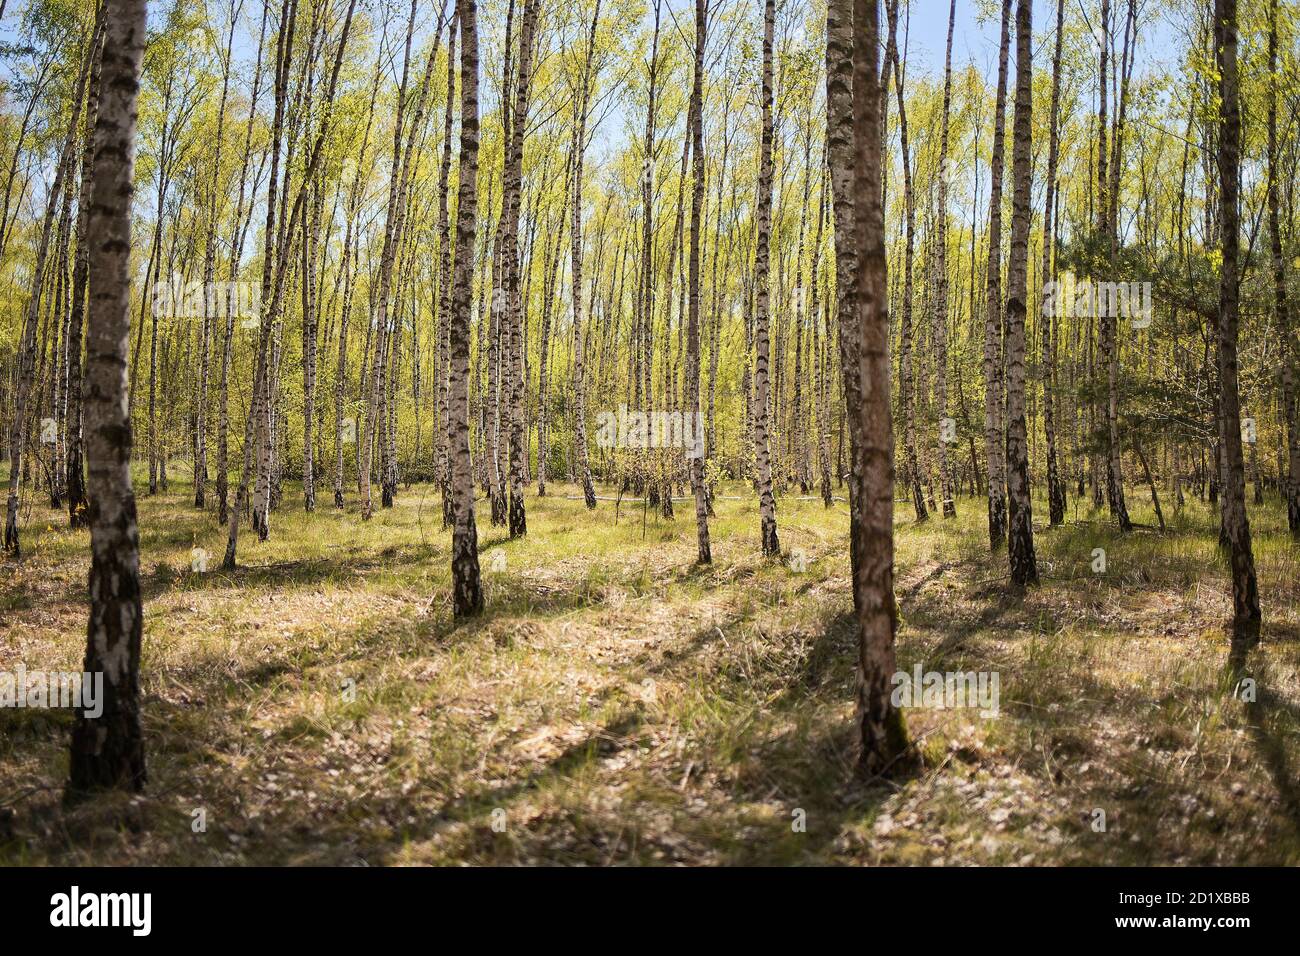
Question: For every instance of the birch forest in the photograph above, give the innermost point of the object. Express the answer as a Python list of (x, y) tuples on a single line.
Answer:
[(650, 432)]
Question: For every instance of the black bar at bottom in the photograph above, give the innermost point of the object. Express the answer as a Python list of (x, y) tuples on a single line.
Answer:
[(337, 907)]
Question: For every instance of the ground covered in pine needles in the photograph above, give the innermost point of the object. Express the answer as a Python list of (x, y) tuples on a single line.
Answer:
[(616, 704)]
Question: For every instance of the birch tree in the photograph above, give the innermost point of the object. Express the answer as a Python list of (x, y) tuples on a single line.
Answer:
[(1281, 303), (941, 357), (692, 404), (854, 80), (74, 481), (108, 751), (994, 411), (906, 399), (467, 592), (578, 150), (1232, 502), (763, 281), (1024, 568), (1055, 485)]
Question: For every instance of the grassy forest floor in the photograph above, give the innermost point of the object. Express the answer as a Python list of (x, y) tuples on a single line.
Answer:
[(622, 706)]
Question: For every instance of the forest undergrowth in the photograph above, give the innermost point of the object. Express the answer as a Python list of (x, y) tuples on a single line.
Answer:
[(618, 704)]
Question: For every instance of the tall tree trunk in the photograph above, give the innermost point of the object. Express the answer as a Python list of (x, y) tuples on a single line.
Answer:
[(762, 278), (1108, 321), (1108, 204), (1024, 567), (467, 593), (56, 332), (820, 370), (75, 471), (514, 332), (1291, 480), (692, 404), (381, 379), (311, 220), (1055, 486), (796, 440), (257, 430), (854, 138), (550, 279), (444, 282), (715, 308), (209, 277), (349, 267), (1236, 526), (497, 369), (575, 248), (642, 351), (994, 447), (905, 394), (947, 487), (154, 451), (108, 751), (236, 253)]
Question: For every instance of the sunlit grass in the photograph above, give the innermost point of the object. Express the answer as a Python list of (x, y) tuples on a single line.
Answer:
[(618, 704)]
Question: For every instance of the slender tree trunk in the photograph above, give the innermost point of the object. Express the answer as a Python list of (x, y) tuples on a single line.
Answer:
[(994, 447), (381, 419), (642, 351), (514, 332), (1289, 354), (257, 432), (550, 279), (762, 259), (236, 252), (1055, 486), (796, 440), (715, 308), (209, 277), (1107, 321), (154, 452), (1151, 484), (947, 488), (695, 438), (575, 248), (1024, 567), (905, 394), (349, 266), (1236, 526), (56, 331), (821, 372), (108, 751), (467, 593), (444, 282), (378, 380), (854, 139), (497, 369), (75, 470), (311, 218), (675, 265)]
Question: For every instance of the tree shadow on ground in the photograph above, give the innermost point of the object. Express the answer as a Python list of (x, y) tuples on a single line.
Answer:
[(1263, 717)]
